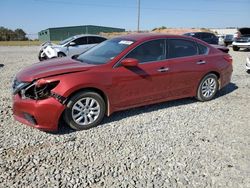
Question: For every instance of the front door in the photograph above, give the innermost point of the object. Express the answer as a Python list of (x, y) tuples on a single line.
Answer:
[(81, 44), (145, 83)]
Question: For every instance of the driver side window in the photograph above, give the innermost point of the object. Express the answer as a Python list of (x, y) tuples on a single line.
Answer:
[(80, 41), (149, 51)]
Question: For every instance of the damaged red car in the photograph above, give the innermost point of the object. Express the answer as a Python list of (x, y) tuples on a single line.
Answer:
[(120, 73)]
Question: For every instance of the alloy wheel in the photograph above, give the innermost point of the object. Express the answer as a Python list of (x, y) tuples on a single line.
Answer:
[(208, 87), (85, 111)]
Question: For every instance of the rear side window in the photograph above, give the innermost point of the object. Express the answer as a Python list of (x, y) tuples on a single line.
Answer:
[(149, 51), (202, 49), (181, 48), (95, 40)]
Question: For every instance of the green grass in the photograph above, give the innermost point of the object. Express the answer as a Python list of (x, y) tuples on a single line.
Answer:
[(22, 43)]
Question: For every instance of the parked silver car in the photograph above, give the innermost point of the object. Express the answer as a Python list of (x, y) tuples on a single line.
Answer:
[(69, 47)]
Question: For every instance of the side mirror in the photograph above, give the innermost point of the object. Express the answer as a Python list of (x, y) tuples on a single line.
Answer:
[(129, 62), (72, 44)]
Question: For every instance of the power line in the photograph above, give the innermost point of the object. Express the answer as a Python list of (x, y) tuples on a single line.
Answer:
[(144, 8)]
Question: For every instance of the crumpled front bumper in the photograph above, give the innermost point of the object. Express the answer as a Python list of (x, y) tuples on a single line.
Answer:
[(40, 114), (47, 52)]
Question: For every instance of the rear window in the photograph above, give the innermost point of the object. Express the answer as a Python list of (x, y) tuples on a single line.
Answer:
[(202, 49)]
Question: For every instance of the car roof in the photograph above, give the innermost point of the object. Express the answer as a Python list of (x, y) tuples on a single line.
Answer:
[(148, 36), (87, 35), (193, 33)]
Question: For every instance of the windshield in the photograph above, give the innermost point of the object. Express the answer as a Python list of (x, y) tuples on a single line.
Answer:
[(105, 51), (66, 40)]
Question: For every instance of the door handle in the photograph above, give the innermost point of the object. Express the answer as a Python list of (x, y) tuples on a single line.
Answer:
[(163, 69), (201, 62)]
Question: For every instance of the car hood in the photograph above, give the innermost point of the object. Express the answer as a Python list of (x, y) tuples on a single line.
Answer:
[(51, 68), (244, 31)]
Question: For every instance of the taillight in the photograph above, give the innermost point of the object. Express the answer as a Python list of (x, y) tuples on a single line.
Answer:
[(228, 58)]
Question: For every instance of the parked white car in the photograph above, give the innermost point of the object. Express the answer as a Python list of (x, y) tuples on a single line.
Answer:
[(69, 47), (221, 39), (241, 39)]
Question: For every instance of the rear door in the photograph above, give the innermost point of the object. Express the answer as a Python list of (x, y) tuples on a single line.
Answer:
[(187, 62)]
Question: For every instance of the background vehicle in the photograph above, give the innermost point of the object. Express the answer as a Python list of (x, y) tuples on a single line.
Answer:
[(221, 39), (241, 39), (71, 46), (121, 73), (210, 38), (228, 39), (248, 64)]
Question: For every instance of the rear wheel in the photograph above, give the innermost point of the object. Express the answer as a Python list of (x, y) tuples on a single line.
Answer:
[(85, 110), (236, 48), (208, 87)]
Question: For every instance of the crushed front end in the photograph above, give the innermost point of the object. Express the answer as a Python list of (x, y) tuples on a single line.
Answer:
[(35, 104)]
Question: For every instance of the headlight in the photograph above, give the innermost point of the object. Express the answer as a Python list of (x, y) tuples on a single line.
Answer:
[(18, 86), (38, 90)]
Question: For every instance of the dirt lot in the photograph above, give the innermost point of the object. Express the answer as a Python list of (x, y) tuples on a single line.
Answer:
[(182, 143)]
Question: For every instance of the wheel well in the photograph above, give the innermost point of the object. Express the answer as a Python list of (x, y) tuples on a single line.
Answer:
[(100, 92), (61, 53), (216, 73)]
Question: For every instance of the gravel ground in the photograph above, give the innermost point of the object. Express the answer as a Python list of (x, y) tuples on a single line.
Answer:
[(182, 143)]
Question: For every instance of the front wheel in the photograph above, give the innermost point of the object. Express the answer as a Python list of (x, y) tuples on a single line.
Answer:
[(85, 110), (208, 87)]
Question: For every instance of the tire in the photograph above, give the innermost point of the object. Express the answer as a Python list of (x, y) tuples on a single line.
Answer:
[(236, 48), (208, 88), (85, 117), (61, 54)]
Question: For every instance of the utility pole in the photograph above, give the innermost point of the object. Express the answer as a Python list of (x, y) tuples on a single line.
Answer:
[(139, 12)]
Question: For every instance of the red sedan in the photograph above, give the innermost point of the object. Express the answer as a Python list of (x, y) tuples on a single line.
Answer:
[(121, 73)]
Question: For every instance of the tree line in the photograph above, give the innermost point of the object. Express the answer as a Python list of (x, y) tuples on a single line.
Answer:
[(12, 35)]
